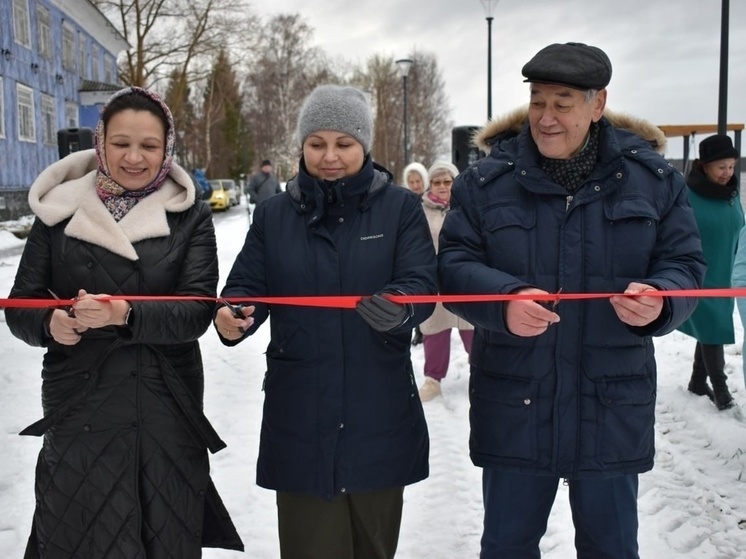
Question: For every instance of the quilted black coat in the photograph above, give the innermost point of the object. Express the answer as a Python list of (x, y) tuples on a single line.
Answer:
[(123, 472)]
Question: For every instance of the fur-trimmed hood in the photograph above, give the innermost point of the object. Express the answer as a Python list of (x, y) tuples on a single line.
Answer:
[(67, 189), (512, 123)]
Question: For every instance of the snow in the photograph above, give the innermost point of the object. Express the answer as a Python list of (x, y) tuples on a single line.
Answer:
[(692, 505)]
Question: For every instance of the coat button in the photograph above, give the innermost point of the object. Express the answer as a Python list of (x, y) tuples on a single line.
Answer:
[(86, 375), (343, 490), (597, 188), (527, 401), (341, 425), (198, 534), (86, 427)]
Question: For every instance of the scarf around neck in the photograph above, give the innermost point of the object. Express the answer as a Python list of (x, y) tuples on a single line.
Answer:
[(571, 173), (117, 199)]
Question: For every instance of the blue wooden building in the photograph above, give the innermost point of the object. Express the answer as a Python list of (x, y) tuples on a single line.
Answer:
[(58, 64)]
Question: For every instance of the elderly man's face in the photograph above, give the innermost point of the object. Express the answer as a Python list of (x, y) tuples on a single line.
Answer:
[(560, 118)]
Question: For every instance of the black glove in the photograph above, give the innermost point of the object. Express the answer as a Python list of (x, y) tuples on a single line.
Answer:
[(382, 315)]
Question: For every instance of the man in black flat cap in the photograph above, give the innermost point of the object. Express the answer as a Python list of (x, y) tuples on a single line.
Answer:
[(575, 200)]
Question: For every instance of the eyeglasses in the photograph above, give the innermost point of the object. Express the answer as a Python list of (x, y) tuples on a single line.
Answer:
[(447, 182)]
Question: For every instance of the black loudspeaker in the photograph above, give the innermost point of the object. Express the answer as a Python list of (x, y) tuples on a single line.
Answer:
[(463, 153), (70, 140)]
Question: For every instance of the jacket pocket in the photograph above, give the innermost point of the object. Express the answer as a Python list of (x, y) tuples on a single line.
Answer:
[(633, 226), (626, 420), (503, 416), (508, 237)]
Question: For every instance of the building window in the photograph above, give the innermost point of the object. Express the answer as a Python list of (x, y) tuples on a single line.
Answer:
[(21, 23), (82, 54), (108, 69), (95, 56), (68, 48), (48, 119), (71, 115), (2, 110), (45, 31), (26, 124)]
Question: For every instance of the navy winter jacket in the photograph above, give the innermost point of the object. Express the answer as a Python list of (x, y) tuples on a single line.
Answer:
[(578, 400), (341, 412)]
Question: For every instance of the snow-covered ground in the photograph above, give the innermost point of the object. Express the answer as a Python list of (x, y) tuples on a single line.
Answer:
[(692, 505)]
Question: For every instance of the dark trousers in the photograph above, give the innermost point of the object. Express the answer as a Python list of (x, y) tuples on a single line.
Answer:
[(517, 507), (358, 526)]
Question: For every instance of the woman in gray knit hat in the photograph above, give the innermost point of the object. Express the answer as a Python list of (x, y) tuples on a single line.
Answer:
[(343, 429)]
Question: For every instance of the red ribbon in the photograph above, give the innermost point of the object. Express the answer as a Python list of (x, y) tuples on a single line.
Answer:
[(350, 301)]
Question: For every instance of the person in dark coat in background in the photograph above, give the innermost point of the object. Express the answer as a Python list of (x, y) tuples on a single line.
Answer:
[(715, 198), (123, 471), (343, 430), (263, 184), (568, 201)]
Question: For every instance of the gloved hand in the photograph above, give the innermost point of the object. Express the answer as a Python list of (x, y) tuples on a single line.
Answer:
[(381, 314)]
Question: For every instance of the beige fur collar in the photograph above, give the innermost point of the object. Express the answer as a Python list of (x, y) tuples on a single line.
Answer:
[(514, 121), (67, 189)]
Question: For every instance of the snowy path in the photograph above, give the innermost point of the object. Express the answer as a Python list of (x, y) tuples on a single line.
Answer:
[(692, 505)]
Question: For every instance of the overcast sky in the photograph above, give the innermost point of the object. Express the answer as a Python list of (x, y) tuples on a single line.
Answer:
[(665, 53)]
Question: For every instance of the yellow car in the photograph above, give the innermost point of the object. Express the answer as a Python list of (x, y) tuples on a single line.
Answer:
[(222, 195)]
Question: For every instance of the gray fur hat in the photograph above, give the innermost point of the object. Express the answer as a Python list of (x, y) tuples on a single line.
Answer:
[(340, 108)]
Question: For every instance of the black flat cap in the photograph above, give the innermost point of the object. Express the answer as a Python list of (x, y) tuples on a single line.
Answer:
[(575, 65)]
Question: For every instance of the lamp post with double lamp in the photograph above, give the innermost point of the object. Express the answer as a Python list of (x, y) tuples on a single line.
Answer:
[(489, 8), (404, 64)]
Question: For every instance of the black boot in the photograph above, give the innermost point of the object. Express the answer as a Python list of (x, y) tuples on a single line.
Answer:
[(723, 399), (698, 384)]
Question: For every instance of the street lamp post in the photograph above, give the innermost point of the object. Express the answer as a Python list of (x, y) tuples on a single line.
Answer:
[(404, 65), (489, 8)]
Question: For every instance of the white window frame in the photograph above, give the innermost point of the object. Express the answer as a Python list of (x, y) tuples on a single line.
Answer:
[(26, 113), (44, 31), (68, 47), (21, 23), (48, 119), (82, 56), (108, 69), (95, 62), (71, 115), (2, 109)]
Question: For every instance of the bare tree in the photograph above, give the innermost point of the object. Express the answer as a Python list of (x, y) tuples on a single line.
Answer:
[(171, 34), (380, 79), (285, 69), (427, 111)]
